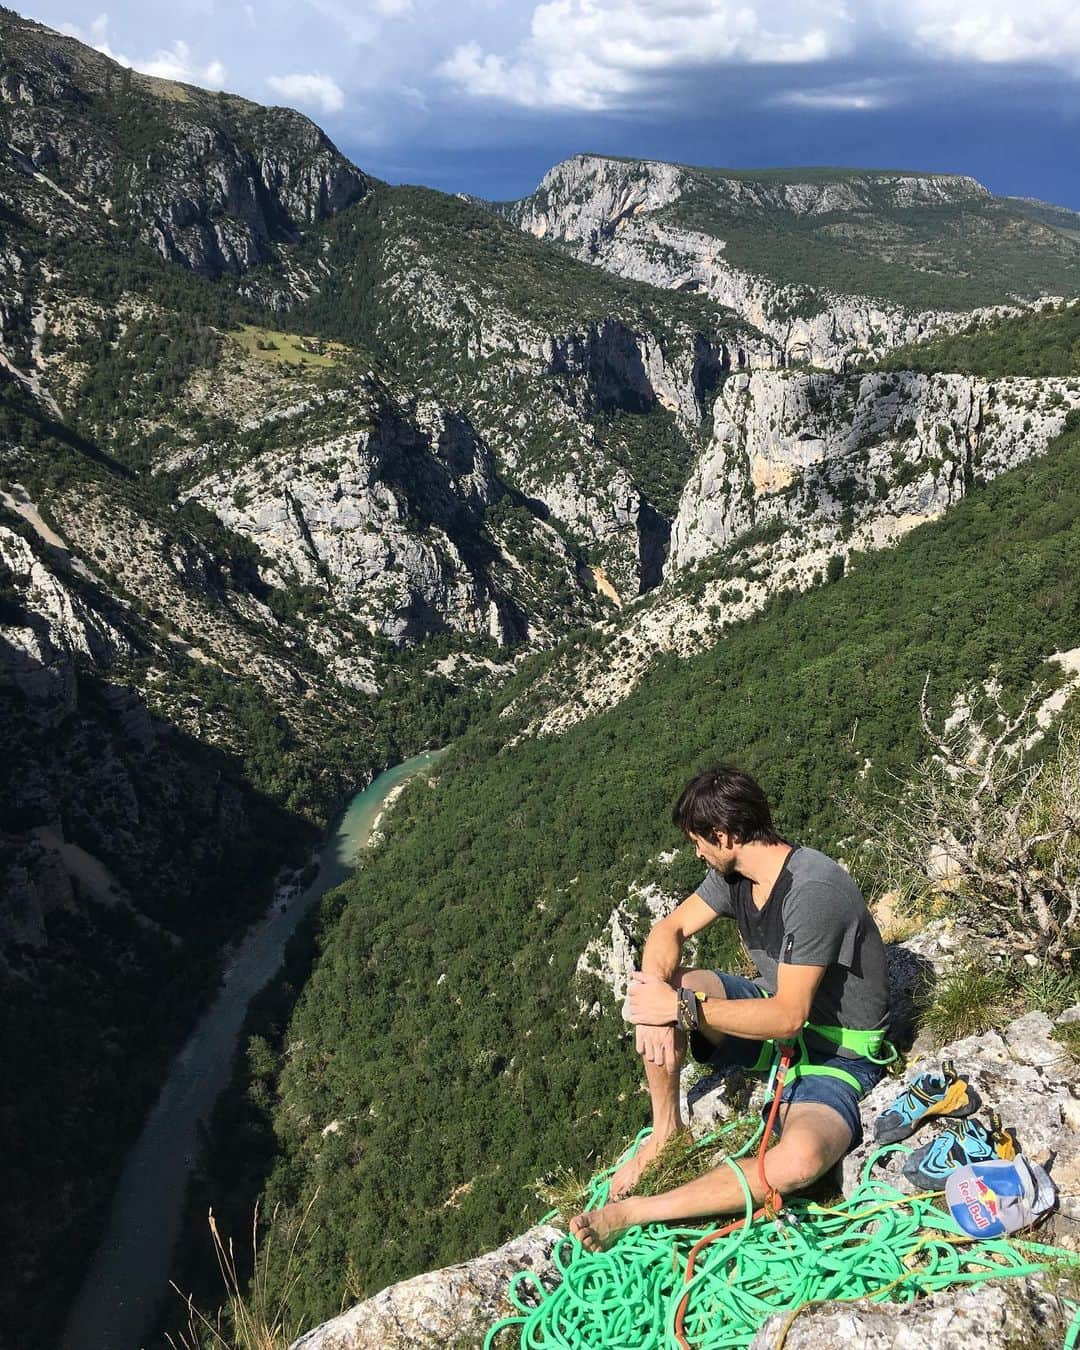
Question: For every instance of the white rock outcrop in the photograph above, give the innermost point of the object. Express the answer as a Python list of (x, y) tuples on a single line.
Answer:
[(443, 1308), (995, 1317)]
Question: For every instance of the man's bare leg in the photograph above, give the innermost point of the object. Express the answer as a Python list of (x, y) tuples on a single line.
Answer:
[(815, 1138), (663, 1084)]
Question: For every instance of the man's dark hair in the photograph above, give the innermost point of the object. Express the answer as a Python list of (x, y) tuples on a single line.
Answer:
[(724, 799)]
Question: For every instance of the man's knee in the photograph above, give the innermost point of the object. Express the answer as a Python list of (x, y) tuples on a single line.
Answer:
[(806, 1153), (794, 1164), (704, 981)]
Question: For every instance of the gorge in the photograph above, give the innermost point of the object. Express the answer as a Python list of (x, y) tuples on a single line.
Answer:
[(303, 474)]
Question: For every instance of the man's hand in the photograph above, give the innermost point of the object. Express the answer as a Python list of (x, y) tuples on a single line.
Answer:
[(656, 1045), (651, 1001)]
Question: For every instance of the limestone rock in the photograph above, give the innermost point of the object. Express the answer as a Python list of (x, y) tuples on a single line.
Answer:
[(612, 957), (440, 1308), (1023, 1075), (998, 1317), (611, 213)]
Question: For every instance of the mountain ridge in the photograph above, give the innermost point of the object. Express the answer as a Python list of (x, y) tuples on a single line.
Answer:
[(920, 249)]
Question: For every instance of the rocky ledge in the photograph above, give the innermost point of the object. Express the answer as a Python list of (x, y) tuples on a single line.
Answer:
[(1022, 1072)]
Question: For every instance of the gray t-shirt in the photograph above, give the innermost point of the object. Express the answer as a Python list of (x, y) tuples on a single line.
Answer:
[(815, 916)]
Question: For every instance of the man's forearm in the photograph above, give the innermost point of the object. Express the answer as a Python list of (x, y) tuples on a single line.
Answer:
[(663, 951), (755, 1019)]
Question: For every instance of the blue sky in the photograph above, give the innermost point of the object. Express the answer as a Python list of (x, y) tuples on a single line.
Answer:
[(483, 96)]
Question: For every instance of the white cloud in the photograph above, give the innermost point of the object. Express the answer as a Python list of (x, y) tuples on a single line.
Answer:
[(175, 63), (392, 9), (313, 89), (171, 63), (95, 35), (357, 26), (593, 55), (842, 98), (596, 54), (997, 31)]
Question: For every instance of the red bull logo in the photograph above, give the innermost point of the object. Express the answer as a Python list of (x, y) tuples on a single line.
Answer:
[(980, 1201)]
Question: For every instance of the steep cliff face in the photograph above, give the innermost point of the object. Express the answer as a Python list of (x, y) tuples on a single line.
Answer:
[(209, 181), (589, 395), (802, 471), (589, 196), (389, 516), (817, 328), (818, 448)]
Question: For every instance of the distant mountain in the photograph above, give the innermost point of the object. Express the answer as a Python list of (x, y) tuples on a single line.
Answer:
[(828, 262)]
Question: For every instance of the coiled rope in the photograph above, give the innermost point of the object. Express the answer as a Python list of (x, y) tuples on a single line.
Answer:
[(660, 1286)]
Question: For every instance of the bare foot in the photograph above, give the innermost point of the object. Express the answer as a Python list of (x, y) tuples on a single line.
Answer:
[(628, 1175), (598, 1228)]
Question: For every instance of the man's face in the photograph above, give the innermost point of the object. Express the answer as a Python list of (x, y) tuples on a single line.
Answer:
[(718, 852)]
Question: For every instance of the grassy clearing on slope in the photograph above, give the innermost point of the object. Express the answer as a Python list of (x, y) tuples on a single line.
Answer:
[(279, 348)]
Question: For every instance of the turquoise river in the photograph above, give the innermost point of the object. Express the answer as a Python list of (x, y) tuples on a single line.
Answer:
[(129, 1273)]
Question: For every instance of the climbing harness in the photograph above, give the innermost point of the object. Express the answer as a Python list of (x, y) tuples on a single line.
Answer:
[(869, 1045), (661, 1286)]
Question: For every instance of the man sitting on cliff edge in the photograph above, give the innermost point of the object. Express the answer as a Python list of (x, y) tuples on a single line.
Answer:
[(821, 970)]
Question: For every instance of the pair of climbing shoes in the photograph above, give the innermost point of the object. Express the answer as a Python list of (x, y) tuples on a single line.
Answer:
[(960, 1144), (925, 1098)]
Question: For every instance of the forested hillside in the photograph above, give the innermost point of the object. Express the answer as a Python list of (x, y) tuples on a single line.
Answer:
[(934, 242), (437, 1061), (1043, 341)]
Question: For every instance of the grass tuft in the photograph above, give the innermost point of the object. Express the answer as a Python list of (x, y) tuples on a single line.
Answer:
[(682, 1159), (1047, 989), (252, 1317), (1068, 1037), (972, 998), (1063, 1279), (565, 1191)]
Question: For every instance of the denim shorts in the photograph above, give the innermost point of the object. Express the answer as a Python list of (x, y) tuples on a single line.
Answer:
[(736, 1052)]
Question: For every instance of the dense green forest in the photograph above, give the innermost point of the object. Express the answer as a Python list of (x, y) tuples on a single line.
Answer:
[(439, 1036), (954, 255), (1043, 341)]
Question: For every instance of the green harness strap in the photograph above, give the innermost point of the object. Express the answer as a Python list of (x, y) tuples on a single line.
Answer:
[(866, 1044)]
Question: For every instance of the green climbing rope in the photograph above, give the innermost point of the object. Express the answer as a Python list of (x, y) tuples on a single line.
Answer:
[(879, 1244)]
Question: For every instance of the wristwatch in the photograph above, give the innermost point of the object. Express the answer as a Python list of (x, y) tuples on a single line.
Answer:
[(689, 1015)]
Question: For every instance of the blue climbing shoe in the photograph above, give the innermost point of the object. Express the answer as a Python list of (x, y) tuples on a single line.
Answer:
[(961, 1143), (928, 1096)]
